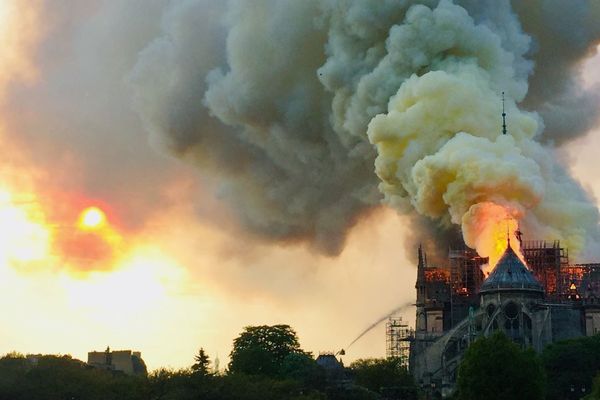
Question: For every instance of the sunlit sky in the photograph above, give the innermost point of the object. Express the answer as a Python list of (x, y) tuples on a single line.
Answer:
[(105, 241)]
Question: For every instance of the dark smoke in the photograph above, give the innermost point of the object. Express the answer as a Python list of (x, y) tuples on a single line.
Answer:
[(275, 96)]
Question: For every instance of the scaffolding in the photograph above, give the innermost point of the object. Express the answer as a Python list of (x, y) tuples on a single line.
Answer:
[(465, 271), (547, 259), (398, 335), (585, 277)]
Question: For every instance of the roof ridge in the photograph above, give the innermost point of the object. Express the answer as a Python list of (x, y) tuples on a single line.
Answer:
[(511, 273)]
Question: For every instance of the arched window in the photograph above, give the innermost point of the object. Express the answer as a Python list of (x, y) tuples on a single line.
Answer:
[(511, 322), (527, 330), (422, 321), (511, 310), (527, 322)]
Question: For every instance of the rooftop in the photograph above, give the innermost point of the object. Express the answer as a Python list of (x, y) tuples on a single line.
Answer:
[(511, 274)]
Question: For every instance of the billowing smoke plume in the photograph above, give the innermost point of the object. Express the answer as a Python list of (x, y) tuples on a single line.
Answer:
[(285, 169), (312, 112), (562, 34)]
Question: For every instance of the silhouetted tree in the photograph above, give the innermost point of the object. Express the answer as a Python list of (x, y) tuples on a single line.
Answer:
[(61, 377), (302, 368), (495, 368), (13, 368), (202, 365), (385, 376), (168, 384), (570, 366), (595, 394), (260, 350)]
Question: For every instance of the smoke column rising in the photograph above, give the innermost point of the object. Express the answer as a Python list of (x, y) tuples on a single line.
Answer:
[(309, 98)]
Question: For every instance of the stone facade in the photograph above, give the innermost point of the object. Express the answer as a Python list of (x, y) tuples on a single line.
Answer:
[(511, 299)]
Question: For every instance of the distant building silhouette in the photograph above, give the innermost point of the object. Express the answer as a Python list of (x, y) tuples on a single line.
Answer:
[(334, 369), (126, 361)]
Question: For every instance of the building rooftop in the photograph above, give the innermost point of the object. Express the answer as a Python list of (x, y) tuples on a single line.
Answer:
[(511, 274)]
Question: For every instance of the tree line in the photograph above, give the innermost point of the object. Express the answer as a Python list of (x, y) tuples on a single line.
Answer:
[(495, 368), (268, 363)]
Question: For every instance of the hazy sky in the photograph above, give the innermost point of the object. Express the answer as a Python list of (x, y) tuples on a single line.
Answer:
[(173, 267)]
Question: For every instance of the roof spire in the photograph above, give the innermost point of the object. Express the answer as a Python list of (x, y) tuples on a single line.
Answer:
[(503, 116), (507, 232)]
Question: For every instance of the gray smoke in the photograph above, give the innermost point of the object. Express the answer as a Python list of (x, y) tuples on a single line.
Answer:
[(563, 33), (263, 125), (275, 96)]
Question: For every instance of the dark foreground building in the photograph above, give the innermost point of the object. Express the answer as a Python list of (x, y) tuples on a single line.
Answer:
[(551, 300)]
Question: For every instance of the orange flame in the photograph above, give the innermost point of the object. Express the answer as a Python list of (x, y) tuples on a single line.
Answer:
[(488, 227), (501, 232)]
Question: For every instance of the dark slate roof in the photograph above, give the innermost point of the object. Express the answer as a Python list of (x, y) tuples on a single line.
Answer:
[(511, 274), (328, 361)]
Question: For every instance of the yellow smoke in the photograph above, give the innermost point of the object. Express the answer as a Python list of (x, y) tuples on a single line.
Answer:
[(441, 151)]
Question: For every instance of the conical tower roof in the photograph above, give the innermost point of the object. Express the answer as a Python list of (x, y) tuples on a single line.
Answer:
[(511, 274)]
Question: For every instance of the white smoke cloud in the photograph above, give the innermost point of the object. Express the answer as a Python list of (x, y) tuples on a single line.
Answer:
[(439, 149)]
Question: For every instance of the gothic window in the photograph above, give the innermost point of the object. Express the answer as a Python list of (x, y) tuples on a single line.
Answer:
[(527, 321), (511, 310), (422, 321), (511, 322), (527, 325)]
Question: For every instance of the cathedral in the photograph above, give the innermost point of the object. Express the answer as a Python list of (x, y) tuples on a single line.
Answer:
[(535, 302)]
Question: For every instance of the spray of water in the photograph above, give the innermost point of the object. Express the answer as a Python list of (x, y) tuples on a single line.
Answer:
[(380, 320)]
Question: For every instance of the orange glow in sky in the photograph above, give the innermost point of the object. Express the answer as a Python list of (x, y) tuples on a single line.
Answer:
[(76, 274), (138, 283), (23, 238)]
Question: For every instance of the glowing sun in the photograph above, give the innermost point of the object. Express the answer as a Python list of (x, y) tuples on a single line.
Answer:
[(92, 218)]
